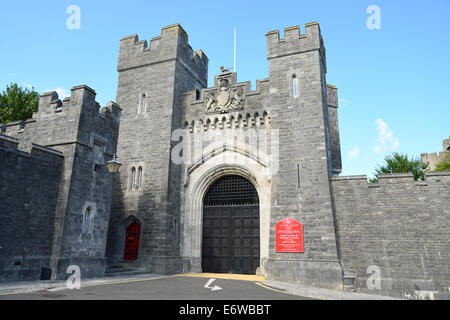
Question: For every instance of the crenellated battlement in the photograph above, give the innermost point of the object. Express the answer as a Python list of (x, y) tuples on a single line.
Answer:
[(432, 159), (194, 97), (252, 102), (393, 180), (82, 99), (293, 41), (332, 96), (77, 118), (172, 44), (59, 155)]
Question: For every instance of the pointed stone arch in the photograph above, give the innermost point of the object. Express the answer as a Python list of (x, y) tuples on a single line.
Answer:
[(216, 163), (120, 239)]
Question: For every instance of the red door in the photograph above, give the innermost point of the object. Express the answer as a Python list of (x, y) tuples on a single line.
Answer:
[(132, 241)]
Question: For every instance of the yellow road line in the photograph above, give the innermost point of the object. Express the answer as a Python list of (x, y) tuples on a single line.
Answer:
[(229, 276), (285, 292)]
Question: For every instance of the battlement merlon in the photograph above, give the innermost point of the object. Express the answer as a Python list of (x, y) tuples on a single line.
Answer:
[(446, 145), (294, 42), (170, 45), (332, 95), (50, 103), (82, 99), (112, 109), (46, 100), (83, 96)]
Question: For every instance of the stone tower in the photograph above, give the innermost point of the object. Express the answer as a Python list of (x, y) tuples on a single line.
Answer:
[(301, 189), (68, 226), (151, 82)]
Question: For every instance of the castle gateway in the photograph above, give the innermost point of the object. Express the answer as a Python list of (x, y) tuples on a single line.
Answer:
[(221, 178), (207, 172)]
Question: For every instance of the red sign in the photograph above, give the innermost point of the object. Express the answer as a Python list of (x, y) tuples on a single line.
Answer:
[(289, 236)]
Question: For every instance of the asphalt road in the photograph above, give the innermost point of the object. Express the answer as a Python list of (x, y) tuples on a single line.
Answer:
[(166, 288)]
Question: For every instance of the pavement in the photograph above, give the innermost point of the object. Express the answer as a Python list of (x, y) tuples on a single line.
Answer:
[(182, 286), (321, 293)]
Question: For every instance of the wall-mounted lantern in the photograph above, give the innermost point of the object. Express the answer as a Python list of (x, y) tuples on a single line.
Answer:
[(113, 165)]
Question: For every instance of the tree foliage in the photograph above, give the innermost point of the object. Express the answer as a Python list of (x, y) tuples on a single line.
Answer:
[(17, 103), (444, 165), (373, 180), (401, 163)]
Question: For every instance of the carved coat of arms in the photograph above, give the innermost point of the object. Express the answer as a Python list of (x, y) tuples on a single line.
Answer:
[(225, 98)]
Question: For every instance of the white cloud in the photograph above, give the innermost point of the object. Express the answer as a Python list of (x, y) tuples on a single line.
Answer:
[(354, 153), (386, 139), (62, 93)]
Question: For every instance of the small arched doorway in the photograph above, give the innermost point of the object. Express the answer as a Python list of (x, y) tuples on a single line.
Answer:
[(132, 236), (231, 236)]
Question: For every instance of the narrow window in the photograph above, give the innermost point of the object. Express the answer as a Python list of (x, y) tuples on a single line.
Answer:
[(87, 221), (98, 148), (175, 229), (197, 94), (139, 183), (144, 104), (133, 177), (294, 86)]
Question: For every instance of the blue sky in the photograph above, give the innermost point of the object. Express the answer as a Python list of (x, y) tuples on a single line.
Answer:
[(393, 82)]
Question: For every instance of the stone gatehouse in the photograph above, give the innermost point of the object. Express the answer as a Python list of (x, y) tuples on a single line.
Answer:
[(229, 179)]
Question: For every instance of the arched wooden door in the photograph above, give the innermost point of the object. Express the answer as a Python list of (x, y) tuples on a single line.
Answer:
[(231, 241), (132, 236)]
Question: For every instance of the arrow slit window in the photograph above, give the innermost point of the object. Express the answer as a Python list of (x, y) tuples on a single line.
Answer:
[(142, 107), (144, 104), (87, 221), (133, 177), (294, 86), (139, 182)]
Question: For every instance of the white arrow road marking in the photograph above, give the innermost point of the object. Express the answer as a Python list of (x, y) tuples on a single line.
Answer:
[(210, 281)]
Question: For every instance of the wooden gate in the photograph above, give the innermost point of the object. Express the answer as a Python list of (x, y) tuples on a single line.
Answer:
[(231, 227)]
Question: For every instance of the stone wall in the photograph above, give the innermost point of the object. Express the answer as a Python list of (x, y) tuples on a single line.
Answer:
[(27, 208), (399, 225), (87, 138)]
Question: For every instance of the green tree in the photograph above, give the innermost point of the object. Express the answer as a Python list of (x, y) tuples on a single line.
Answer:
[(401, 163), (444, 165), (17, 103), (373, 180)]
